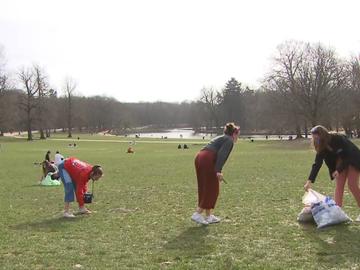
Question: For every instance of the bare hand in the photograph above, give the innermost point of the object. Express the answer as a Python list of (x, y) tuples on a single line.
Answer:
[(307, 185), (220, 176)]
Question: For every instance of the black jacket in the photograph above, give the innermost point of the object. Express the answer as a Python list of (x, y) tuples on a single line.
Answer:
[(341, 154)]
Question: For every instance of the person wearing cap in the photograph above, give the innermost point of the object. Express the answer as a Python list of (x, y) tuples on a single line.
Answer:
[(208, 164), (75, 174), (342, 158)]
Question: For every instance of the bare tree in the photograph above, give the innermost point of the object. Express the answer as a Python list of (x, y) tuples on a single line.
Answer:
[(309, 78), (210, 97), (42, 89), (320, 76), (3, 76), (3, 82), (28, 82), (70, 86)]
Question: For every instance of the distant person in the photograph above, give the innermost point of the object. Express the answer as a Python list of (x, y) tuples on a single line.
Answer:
[(47, 156), (179, 146), (342, 158), (48, 167), (185, 146), (75, 174), (58, 158), (208, 164)]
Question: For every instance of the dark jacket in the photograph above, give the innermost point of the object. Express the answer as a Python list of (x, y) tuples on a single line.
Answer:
[(340, 154)]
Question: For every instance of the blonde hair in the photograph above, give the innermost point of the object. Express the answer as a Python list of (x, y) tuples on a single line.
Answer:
[(324, 137), (230, 129)]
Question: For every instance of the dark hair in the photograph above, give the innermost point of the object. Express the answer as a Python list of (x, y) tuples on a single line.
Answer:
[(96, 169), (230, 129), (324, 138)]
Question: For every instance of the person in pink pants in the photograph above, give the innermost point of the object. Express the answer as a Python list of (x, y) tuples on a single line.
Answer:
[(342, 158)]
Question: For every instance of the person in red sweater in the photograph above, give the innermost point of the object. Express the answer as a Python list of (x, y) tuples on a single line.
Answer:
[(75, 174)]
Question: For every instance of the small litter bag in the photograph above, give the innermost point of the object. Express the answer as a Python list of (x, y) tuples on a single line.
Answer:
[(47, 181), (327, 213)]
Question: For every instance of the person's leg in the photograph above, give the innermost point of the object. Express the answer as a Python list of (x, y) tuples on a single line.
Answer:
[(201, 181), (68, 188), (339, 188), (353, 183)]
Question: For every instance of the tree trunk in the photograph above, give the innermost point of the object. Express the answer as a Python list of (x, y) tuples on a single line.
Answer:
[(69, 118), (29, 132), (298, 132), (306, 130), (42, 135)]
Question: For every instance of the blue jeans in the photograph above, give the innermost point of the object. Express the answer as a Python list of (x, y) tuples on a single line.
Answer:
[(68, 184)]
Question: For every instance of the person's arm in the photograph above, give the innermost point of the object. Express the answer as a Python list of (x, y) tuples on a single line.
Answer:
[(316, 167), (223, 154)]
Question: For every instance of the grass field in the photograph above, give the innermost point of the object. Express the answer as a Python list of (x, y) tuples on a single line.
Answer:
[(143, 205)]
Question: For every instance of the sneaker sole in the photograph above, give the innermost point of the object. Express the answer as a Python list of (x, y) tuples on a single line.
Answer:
[(201, 223), (214, 222)]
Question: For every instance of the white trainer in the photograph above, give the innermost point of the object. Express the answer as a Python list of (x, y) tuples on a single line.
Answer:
[(198, 218), (84, 210), (358, 219), (212, 219), (68, 215)]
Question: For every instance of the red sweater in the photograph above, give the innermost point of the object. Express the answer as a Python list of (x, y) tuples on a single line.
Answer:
[(79, 172)]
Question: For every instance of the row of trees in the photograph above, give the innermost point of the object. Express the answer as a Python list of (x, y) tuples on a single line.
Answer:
[(308, 85)]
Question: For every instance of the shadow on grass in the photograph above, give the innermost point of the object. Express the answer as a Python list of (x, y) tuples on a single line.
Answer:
[(47, 225), (336, 246), (192, 242)]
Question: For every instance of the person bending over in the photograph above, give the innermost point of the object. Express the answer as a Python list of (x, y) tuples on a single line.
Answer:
[(75, 174), (208, 164), (342, 158)]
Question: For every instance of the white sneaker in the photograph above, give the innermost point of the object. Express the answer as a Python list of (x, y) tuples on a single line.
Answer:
[(212, 219), (198, 218), (358, 219), (84, 210), (68, 215)]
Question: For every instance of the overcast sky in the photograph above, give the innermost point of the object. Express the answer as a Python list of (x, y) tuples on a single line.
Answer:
[(150, 50)]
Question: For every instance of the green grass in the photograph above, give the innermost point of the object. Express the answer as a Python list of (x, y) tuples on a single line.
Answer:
[(143, 205)]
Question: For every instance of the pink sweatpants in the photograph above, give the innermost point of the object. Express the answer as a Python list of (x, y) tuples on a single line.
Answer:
[(352, 175)]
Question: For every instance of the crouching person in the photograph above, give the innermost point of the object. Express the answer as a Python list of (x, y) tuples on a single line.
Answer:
[(75, 174)]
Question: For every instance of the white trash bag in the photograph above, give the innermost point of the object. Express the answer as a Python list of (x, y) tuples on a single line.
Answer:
[(310, 197), (305, 215), (321, 209)]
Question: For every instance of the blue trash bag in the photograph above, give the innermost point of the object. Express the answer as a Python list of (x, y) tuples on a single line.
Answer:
[(326, 213)]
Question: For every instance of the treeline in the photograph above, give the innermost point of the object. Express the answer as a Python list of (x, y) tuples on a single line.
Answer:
[(308, 84)]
